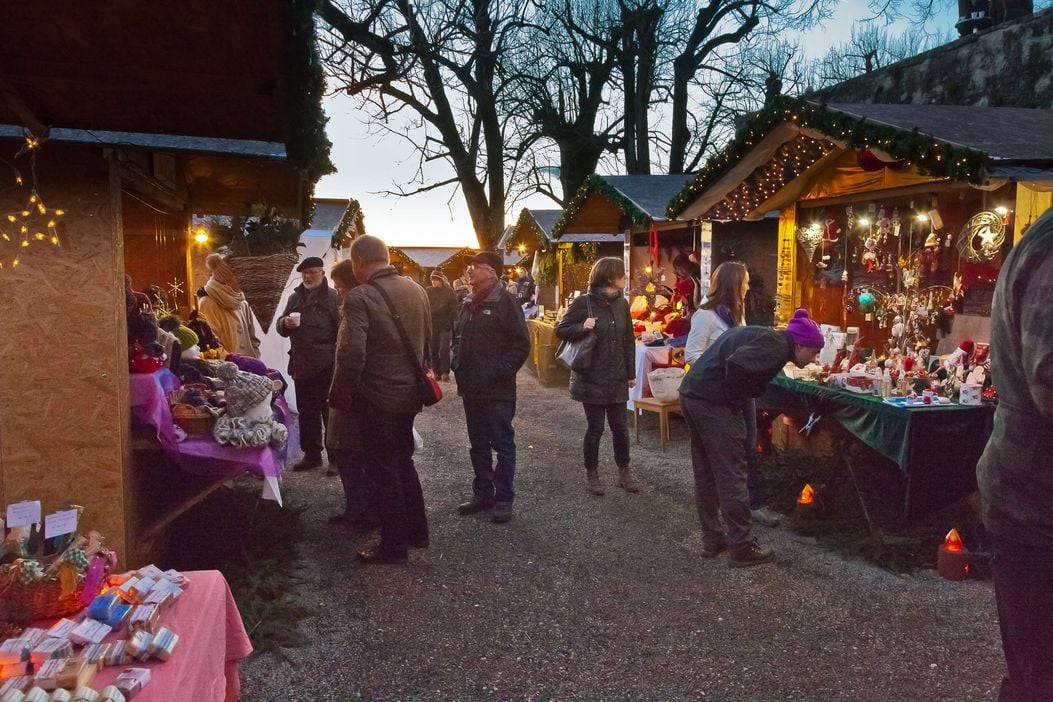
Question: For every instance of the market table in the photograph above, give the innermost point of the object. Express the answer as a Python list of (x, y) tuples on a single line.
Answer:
[(212, 641), (646, 358), (202, 455), (543, 344), (936, 448)]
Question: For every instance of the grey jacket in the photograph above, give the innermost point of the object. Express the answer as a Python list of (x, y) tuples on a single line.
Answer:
[(1015, 473), (314, 341), (371, 362)]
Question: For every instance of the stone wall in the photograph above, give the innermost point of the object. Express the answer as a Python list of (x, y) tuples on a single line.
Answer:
[(1010, 65)]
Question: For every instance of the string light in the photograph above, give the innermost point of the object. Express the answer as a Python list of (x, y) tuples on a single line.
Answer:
[(35, 216)]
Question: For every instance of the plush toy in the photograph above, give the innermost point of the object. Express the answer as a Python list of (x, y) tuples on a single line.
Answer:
[(898, 329), (870, 257)]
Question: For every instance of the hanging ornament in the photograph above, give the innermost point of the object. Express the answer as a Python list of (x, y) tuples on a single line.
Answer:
[(981, 237), (897, 222), (866, 301), (809, 238)]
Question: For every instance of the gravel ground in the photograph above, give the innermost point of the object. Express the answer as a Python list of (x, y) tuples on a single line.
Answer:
[(586, 598)]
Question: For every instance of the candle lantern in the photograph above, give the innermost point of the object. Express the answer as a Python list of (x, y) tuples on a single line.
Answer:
[(952, 558), (807, 505)]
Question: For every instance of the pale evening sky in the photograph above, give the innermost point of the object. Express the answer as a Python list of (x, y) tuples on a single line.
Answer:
[(369, 163)]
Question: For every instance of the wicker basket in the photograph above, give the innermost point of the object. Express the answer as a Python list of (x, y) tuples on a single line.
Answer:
[(39, 599), (263, 280), (195, 421)]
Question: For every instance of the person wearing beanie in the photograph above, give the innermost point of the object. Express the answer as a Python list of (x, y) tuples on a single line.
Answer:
[(443, 303), (737, 367)]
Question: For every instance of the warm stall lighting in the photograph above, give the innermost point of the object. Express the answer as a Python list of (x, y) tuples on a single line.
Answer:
[(923, 218), (863, 222), (1002, 210), (522, 248), (201, 235)]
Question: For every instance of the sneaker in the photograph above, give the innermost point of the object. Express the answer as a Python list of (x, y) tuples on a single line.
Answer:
[(502, 513), (766, 517), (474, 506), (750, 555), (307, 463), (714, 550)]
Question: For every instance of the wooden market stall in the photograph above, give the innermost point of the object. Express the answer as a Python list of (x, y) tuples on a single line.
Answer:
[(527, 243), (894, 220), (123, 124), (418, 262)]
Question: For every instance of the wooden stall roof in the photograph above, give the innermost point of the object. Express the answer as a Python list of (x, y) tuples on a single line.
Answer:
[(533, 228), (604, 204), (430, 256), (787, 146)]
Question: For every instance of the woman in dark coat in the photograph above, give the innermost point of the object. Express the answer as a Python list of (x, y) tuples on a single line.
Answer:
[(603, 387)]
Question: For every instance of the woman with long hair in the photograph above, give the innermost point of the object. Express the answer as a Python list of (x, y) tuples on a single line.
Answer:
[(723, 308), (603, 387)]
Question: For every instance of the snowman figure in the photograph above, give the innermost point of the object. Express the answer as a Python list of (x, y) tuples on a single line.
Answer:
[(898, 329)]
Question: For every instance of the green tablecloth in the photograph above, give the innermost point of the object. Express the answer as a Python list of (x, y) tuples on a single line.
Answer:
[(936, 448)]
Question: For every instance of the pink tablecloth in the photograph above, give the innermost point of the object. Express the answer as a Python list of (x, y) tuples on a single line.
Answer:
[(212, 640), (201, 455)]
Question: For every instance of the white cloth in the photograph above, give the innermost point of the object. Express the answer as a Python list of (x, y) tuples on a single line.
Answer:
[(646, 357), (706, 327)]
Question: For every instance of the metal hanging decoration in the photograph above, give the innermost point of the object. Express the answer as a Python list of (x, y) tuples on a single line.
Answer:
[(810, 238), (982, 237)]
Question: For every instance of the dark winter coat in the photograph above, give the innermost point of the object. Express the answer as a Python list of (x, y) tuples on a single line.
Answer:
[(491, 343), (371, 360), (737, 366), (443, 303), (313, 343), (606, 380), (1015, 473)]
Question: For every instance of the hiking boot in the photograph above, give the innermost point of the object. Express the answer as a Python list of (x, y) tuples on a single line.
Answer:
[(750, 555), (766, 517), (475, 505), (713, 550), (307, 463), (626, 481), (502, 513), (592, 482)]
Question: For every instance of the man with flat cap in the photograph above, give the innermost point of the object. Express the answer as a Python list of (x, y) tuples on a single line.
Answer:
[(491, 343), (310, 321)]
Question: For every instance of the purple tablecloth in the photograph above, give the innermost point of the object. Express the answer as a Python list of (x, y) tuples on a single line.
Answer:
[(201, 455)]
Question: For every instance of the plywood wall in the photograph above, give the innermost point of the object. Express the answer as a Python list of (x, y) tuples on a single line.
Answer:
[(63, 359)]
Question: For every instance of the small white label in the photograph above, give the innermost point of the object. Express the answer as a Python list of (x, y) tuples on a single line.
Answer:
[(59, 523), (23, 513)]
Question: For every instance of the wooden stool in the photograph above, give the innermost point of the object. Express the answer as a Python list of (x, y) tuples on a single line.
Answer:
[(662, 409)]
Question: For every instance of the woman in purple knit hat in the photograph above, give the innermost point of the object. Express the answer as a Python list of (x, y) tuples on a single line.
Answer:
[(738, 366)]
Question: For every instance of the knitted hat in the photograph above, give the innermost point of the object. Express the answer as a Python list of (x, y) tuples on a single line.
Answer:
[(805, 331), (244, 390), (186, 336)]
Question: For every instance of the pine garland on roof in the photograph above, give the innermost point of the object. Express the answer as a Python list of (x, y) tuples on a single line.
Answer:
[(596, 183), (931, 156), (352, 224)]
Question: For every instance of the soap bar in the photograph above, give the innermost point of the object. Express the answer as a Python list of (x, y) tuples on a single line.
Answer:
[(47, 675), (13, 651), (76, 673), (144, 617), (37, 695), (101, 608), (89, 631), (139, 645), (62, 628), (177, 578), (131, 681), (110, 693), (52, 648), (142, 588), (21, 683), (151, 571), (124, 590), (85, 694), (13, 670), (168, 586), (118, 653), (159, 598), (13, 696), (96, 654), (120, 616), (164, 643), (61, 695)]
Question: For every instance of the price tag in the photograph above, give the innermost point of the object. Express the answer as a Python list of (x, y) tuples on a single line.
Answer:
[(23, 513), (60, 523)]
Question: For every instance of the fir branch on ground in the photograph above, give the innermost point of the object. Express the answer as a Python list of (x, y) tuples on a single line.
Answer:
[(253, 542)]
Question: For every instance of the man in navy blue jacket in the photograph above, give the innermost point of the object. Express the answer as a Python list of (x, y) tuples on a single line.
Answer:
[(491, 343)]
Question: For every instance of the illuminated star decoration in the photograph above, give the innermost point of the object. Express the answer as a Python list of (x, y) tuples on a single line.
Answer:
[(175, 290), (34, 221)]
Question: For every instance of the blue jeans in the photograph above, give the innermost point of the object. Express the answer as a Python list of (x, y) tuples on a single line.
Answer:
[(490, 430)]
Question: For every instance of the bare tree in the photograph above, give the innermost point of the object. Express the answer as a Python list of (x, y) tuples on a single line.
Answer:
[(440, 61), (869, 48)]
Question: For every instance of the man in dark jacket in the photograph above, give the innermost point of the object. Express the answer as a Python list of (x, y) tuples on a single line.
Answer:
[(443, 304), (491, 344), (739, 365), (376, 382), (1015, 473), (310, 321)]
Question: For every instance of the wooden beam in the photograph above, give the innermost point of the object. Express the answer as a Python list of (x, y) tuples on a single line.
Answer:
[(919, 189)]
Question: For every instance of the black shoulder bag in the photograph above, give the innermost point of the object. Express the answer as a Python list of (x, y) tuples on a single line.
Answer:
[(577, 355), (427, 385)]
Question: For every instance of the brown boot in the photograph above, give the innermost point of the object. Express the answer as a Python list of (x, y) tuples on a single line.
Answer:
[(592, 482), (626, 480)]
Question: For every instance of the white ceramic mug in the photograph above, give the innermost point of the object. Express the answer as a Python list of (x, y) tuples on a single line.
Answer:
[(293, 320)]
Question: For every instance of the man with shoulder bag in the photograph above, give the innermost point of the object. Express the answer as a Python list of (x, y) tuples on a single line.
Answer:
[(378, 381), (491, 344)]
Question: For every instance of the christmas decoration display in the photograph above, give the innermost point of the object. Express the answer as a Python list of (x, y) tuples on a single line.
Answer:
[(33, 222), (810, 238), (982, 237)]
